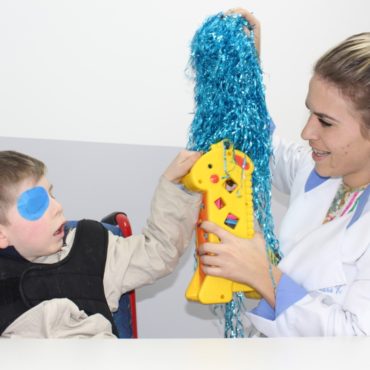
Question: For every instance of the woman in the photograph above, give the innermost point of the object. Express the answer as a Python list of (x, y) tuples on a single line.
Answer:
[(321, 287)]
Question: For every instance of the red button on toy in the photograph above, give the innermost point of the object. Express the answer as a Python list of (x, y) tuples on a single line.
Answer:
[(214, 179)]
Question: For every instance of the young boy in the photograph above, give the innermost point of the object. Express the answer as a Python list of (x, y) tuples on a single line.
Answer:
[(59, 283)]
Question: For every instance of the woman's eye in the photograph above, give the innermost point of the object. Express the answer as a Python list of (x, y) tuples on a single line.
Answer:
[(324, 123), (51, 194)]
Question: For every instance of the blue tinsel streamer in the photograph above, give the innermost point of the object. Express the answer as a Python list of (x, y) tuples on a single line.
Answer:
[(230, 104)]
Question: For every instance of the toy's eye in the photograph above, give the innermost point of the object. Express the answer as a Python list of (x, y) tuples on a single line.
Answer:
[(210, 165)]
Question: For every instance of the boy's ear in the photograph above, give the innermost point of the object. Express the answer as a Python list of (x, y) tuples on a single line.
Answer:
[(4, 242)]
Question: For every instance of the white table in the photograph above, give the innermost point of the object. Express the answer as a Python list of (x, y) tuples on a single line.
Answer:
[(189, 354)]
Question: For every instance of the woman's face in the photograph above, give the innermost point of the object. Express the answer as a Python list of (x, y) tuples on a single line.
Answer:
[(333, 131)]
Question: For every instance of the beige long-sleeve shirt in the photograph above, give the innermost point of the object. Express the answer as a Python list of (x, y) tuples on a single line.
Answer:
[(131, 262)]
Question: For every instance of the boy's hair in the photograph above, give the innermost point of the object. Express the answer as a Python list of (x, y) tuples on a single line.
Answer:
[(14, 168), (348, 66)]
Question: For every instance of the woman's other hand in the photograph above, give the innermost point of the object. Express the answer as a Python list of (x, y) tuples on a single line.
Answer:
[(254, 22)]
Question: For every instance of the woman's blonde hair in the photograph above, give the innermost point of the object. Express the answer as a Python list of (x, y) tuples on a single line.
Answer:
[(348, 66)]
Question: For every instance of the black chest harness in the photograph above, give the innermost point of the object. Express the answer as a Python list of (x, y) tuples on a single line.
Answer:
[(78, 277)]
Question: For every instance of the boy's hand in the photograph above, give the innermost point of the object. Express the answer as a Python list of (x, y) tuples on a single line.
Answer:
[(181, 165)]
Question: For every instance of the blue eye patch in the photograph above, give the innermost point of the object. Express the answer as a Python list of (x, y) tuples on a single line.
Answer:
[(33, 203)]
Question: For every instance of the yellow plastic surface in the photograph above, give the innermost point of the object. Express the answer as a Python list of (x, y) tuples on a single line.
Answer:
[(224, 176)]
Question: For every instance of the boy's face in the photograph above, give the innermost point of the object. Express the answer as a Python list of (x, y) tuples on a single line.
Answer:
[(36, 221)]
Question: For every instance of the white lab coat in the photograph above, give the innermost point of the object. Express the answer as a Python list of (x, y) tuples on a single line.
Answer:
[(331, 261)]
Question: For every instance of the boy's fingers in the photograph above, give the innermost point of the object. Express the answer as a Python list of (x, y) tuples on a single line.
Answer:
[(190, 155), (181, 165), (187, 160)]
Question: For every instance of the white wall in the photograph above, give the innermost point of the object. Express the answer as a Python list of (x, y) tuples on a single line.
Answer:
[(114, 72)]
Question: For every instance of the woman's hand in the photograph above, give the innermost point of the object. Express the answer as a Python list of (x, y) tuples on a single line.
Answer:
[(254, 22), (241, 260)]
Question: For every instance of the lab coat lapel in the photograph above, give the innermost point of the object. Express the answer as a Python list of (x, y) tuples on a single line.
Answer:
[(313, 249), (315, 203), (316, 262)]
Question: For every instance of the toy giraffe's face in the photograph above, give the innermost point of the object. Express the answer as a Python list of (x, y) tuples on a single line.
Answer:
[(223, 175), (219, 167)]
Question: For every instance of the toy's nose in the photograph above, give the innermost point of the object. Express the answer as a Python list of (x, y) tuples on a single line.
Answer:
[(214, 179)]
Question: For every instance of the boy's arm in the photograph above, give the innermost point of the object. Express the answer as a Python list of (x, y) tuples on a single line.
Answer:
[(144, 258)]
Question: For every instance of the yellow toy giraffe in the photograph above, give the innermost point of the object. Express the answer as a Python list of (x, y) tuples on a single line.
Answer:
[(224, 176)]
